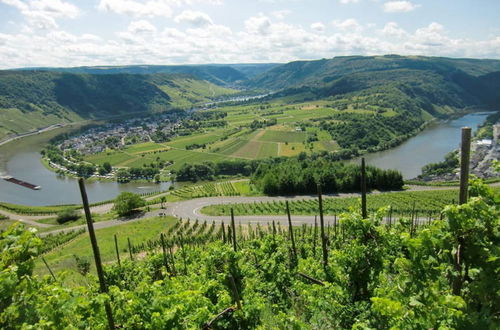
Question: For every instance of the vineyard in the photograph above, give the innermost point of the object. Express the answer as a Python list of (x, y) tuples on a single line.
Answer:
[(401, 203), (53, 241), (226, 188), (360, 273)]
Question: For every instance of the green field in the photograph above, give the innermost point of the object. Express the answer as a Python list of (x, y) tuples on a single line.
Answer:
[(182, 142), (280, 136)]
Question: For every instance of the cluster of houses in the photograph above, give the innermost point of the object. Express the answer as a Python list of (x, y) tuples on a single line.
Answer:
[(117, 135)]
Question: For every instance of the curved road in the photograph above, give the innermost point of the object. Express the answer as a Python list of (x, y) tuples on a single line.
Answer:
[(190, 209)]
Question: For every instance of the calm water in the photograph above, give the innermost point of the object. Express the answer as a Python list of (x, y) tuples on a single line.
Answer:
[(21, 159), (429, 146)]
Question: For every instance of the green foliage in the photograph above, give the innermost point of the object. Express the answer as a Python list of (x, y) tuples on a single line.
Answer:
[(448, 165), (67, 215), (441, 275), (82, 265), (127, 202), (302, 177)]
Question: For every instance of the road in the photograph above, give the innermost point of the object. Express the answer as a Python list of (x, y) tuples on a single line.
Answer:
[(190, 209)]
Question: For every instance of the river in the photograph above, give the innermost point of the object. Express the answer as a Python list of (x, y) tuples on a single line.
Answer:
[(429, 146), (21, 159)]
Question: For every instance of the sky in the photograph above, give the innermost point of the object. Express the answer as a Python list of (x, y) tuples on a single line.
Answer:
[(59, 33)]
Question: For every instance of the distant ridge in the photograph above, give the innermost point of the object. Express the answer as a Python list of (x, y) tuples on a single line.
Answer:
[(220, 74)]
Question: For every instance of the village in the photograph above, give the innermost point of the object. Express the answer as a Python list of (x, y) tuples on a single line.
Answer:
[(115, 135)]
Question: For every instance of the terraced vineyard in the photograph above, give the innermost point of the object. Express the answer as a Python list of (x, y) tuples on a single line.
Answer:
[(227, 188), (402, 203), (358, 273)]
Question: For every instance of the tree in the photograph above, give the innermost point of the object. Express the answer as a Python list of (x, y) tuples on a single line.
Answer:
[(107, 166), (127, 202), (67, 215)]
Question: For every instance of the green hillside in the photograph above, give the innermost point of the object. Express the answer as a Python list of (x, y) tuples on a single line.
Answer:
[(320, 72), (384, 99), (34, 99), (216, 74)]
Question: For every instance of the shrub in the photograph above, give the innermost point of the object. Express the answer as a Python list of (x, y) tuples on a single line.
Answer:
[(67, 215)]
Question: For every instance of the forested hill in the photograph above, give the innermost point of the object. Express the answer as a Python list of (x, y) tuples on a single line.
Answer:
[(34, 99), (319, 73), (222, 75)]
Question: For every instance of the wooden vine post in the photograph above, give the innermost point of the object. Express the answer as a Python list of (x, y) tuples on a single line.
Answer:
[(233, 230), (50, 270), (130, 249), (117, 252), (464, 183), (322, 228), (95, 248), (464, 164), (223, 233), (290, 230), (315, 236), (364, 214)]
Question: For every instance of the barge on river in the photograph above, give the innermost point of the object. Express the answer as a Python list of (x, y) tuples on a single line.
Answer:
[(21, 183)]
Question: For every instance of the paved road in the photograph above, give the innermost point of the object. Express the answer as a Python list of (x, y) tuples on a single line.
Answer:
[(190, 209)]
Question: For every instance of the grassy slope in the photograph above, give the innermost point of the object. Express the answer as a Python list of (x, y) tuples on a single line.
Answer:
[(62, 258)]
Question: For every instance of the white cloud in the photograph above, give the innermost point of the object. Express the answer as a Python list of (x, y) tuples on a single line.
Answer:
[(399, 6), (392, 29), (318, 26), (136, 8), (349, 24), (56, 8), (262, 39), (40, 15), (431, 35), (149, 8), (344, 2), (258, 25), (195, 18), (281, 14), (141, 26)]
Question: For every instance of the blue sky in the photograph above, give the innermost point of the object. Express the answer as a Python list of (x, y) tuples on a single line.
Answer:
[(121, 32)]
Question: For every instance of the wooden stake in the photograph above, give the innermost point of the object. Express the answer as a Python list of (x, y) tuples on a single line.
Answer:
[(290, 230), (315, 236), (464, 164), (236, 294), (130, 249), (117, 252), (95, 248), (233, 230), (223, 232), (50, 270), (322, 228), (364, 214)]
